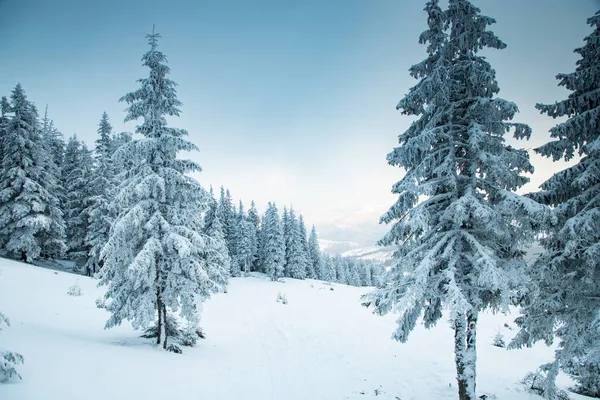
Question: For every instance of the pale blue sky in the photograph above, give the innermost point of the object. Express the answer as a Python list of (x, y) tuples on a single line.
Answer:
[(292, 102)]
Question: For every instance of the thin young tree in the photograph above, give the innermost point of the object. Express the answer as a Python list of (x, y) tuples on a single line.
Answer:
[(155, 260), (102, 188), (77, 170), (564, 301), (314, 254), (460, 229), (274, 246)]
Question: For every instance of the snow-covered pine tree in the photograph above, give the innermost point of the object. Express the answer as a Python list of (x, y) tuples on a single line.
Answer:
[(77, 173), (217, 257), (234, 235), (364, 271), (255, 221), (227, 218), (211, 212), (296, 256), (353, 275), (261, 246), (8, 360), (565, 297), (246, 241), (328, 274), (308, 266), (274, 246), (155, 260), (101, 192), (459, 228), (285, 223), (314, 254), (30, 217), (54, 146), (341, 269)]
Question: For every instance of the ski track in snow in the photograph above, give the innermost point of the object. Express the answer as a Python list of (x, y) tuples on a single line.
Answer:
[(321, 345)]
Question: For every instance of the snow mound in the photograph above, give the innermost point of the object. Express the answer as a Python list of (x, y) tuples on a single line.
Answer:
[(322, 345)]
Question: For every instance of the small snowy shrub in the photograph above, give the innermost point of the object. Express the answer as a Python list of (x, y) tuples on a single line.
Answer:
[(75, 290), (173, 348), (8, 359), (538, 383), (281, 298), (185, 336), (499, 340)]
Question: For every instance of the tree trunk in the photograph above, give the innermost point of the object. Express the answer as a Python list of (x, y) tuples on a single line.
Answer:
[(465, 328), (159, 310), (166, 331), (24, 256)]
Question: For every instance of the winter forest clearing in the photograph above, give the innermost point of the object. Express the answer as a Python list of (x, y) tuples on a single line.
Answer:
[(321, 345), (246, 303)]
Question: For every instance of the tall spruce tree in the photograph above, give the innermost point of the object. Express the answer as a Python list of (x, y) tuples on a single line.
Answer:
[(308, 267), (565, 297), (155, 260), (314, 254), (274, 246), (102, 190), (245, 241), (53, 246), (77, 172), (254, 219), (459, 228), (30, 217), (211, 213), (296, 261)]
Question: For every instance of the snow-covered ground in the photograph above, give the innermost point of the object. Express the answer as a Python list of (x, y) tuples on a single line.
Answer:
[(321, 345)]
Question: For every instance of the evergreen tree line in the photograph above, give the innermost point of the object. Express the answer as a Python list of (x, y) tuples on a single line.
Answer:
[(279, 245), (55, 196), (462, 231)]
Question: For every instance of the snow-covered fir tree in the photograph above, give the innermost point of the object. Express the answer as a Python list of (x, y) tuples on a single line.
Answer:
[(353, 274), (314, 254), (217, 256), (364, 272), (77, 170), (459, 228), (30, 217), (254, 219), (54, 147), (564, 301), (328, 272), (308, 266), (285, 224), (245, 241), (341, 269), (211, 212), (227, 218), (296, 262), (157, 259), (273, 244), (101, 192)]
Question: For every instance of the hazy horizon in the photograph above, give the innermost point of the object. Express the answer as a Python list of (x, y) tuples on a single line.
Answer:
[(288, 102)]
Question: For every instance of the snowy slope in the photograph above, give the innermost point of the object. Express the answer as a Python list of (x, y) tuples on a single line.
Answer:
[(321, 345)]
